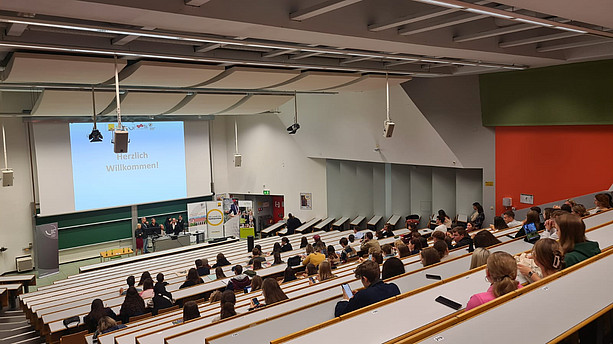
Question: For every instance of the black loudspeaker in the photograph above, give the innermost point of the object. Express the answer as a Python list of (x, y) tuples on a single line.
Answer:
[(120, 141), (250, 243)]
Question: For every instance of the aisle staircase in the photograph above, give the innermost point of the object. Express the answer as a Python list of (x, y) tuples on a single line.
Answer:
[(15, 329)]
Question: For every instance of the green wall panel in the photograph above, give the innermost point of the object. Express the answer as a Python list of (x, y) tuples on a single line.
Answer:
[(573, 94)]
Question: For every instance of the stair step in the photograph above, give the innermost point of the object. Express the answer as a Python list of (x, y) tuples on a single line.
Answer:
[(21, 336)]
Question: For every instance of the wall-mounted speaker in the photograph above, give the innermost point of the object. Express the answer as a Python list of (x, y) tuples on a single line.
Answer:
[(120, 141), (7, 177), (238, 160)]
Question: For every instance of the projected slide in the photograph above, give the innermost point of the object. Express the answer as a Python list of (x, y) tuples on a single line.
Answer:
[(152, 170)]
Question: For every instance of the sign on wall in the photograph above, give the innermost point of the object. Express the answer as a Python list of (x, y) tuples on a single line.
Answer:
[(306, 201)]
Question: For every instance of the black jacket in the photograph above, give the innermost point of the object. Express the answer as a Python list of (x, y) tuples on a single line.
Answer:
[(374, 293)]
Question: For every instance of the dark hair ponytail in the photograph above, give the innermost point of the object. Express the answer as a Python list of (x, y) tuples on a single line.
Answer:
[(228, 299)]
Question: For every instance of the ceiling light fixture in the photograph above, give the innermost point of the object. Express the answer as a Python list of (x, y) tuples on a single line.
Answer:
[(493, 14), (440, 3), (570, 29)]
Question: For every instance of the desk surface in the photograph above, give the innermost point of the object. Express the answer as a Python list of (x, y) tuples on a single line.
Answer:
[(307, 224), (341, 221), (18, 278), (324, 223), (273, 227), (357, 220), (542, 307), (393, 220)]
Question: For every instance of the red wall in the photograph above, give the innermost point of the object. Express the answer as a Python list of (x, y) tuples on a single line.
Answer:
[(552, 162)]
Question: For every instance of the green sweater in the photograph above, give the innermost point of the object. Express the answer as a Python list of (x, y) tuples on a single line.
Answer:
[(581, 252)]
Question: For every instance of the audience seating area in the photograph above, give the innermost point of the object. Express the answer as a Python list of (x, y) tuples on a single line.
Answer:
[(308, 313)]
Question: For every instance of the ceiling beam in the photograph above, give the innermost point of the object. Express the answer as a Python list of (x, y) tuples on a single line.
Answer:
[(320, 8), (538, 39), (572, 45), (495, 32), (355, 59), (196, 3), (207, 47), (15, 29), (409, 19), (441, 23), (278, 52), (304, 55)]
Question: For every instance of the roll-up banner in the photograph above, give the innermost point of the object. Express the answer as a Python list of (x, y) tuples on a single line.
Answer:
[(214, 219), (47, 253), (196, 217)]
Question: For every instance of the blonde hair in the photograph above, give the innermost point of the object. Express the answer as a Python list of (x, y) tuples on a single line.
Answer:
[(106, 323), (325, 271), (548, 253), (479, 257), (502, 269)]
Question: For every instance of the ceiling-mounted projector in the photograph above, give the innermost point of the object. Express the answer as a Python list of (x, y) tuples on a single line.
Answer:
[(95, 136), (293, 128)]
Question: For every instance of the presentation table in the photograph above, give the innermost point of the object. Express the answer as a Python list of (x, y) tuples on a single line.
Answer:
[(168, 242)]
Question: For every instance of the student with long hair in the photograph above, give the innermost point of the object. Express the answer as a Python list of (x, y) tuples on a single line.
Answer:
[(256, 256), (429, 256), (331, 256), (272, 291), (547, 255), (445, 217), (403, 250), (602, 202), (325, 271), (147, 292), (441, 248), (499, 223), (227, 302), (96, 313), (579, 210), (501, 272), (191, 279), (132, 305), (277, 258), (485, 239), (256, 283), (414, 246), (106, 325), (190, 311), (532, 218), (143, 277), (478, 216), (575, 245), (312, 256), (219, 272), (289, 274), (304, 242), (479, 257), (220, 260)]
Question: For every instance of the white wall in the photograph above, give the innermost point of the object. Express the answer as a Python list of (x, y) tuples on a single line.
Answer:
[(15, 201), (271, 160)]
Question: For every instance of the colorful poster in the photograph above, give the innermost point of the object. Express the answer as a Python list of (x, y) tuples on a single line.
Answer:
[(306, 201), (214, 219), (196, 217)]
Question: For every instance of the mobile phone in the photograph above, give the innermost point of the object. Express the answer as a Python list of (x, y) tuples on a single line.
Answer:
[(312, 280), (447, 302), (247, 289), (255, 301), (347, 290), (435, 277)]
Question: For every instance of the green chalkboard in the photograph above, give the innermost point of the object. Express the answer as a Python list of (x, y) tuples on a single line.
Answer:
[(572, 94), (91, 227)]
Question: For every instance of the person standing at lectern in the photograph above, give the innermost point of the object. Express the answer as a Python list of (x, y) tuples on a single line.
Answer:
[(181, 223), (292, 223), (145, 227)]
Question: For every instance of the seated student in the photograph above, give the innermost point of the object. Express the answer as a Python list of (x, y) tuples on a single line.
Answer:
[(132, 305), (414, 246), (446, 219), (369, 245), (392, 267), (162, 298), (227, 302), (479, 257), (221, 261), (347, 251), (147, 292), (286, 246), (317, 241), (499, 224), (509, 217), (461, 238), (256, 283), (602, 202), (442, 249), (501, 272), (376, 257), (575, 246), (485, 239), (303, 242), (532, 218), (416, 235), (130, 281), (191, 279), (388, 251), (219, 272), (403, 250), (96, 313), (105, 325), (160, 280), (325, 271), (215, 296), (276, 247), (351, 238), (332, 256), (387, 231), (143, 277), (202, 268), (440, 225), (289, 274), (277, 258), (312, 256), (579, 210), (272, 293), (256, 255), (310, 270), (547, 255), (429, 256), (374, 289), (239, 281), (440, 236), (190, 311)]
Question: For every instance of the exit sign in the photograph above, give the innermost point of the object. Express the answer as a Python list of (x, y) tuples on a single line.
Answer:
[(266, 192)]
